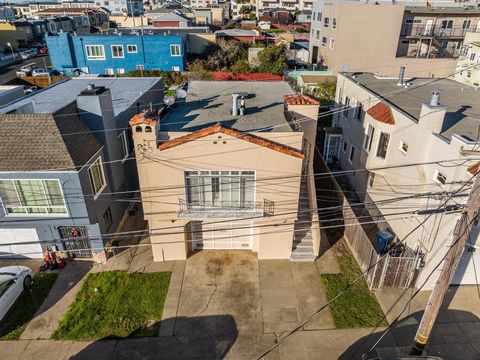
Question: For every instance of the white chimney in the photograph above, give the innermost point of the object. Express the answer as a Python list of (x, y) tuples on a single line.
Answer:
[(435, 100), (235, 104)]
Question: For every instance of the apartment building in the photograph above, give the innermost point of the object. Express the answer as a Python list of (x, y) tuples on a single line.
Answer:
[(28, 9), (468, 65), (291, 5), (122, 7), (218, 175), (92, 16), (115, 54), (59, 167), (408, 144), (345, 36)]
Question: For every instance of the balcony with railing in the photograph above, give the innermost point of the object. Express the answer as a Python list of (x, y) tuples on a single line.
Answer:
[(430, 30), (225, 209)]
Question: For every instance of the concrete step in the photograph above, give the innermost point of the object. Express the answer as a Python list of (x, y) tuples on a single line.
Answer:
[(302, 257), (303, 250)]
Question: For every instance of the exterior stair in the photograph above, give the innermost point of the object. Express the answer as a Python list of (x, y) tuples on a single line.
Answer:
[(302, 248)]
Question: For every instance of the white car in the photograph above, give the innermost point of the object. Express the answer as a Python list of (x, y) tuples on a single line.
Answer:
[(13, 280)]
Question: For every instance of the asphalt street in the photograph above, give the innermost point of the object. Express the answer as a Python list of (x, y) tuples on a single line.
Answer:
[(8, 73)]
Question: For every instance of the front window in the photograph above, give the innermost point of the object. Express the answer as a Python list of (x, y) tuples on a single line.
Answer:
[(324, 41), (97, 177), (351, 154), (334, 23), (325, 21), (132, 49), (123, 142), (175, 50), (32, 197), (220, 189), (383, 145), (447, 24), (367, 143), (95, 52), (117, 51), (346, 106), (466, 24)]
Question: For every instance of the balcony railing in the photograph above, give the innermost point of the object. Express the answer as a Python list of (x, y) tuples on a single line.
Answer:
[(226, 209), (432, 31)]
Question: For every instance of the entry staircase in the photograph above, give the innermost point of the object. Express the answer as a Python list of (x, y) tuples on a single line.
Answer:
[(302, 249)]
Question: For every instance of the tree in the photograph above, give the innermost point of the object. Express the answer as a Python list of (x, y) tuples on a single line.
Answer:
[(272, 59), (325, 91), (240, 67), (245, 10), (252, 16), (198, 71), (222, 56)]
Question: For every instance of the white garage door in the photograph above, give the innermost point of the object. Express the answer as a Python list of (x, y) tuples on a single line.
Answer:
[(222, 236), (9, 236)]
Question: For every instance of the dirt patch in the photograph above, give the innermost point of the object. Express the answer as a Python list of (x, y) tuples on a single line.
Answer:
[(216, 265)]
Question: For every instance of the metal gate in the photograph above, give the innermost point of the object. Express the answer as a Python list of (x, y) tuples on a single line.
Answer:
[(395, 272), (76, 241)]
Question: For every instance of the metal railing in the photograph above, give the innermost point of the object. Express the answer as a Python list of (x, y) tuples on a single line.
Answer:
[(227, 208), (432, 30)]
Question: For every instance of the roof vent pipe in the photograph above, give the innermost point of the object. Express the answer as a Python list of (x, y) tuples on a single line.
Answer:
[(435, 100), (90, 86), (235, 104), (401, 76)]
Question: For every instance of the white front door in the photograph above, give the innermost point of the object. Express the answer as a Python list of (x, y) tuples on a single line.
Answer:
[(332, 147), (12, 240), (428, 27)]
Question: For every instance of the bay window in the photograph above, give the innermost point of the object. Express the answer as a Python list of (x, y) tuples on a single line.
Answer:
[(220, 189), (35, 197)]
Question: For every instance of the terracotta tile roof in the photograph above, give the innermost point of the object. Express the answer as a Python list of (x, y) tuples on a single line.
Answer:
[(474, 168), (382, 113), (219, 128), (144, 117), (299, 99)]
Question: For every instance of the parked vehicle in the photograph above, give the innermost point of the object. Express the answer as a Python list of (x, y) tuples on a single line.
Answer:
[(42, 50), (28, 53), (13, 280), (40, 72), (26, 70)]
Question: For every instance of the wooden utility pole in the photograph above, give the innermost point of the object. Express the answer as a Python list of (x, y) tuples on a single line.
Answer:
[(461, 235)]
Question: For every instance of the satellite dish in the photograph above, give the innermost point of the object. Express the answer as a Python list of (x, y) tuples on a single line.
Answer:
[(180, 93), (169, 100)]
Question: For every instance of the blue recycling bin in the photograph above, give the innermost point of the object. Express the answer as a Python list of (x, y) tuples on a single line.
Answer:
[(384, 238)]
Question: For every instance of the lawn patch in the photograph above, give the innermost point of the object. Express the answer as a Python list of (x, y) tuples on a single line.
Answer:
[(116, 304), (27, 305), (357, 307)]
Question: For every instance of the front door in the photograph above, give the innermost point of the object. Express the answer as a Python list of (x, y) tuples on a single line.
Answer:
[(314, 54), (332, 147), (428, 27)]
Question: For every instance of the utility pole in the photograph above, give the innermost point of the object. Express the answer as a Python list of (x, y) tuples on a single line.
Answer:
[(461, 235)]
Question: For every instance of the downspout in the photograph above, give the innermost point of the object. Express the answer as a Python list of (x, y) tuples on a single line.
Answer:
[(143, 51), (84, 56)]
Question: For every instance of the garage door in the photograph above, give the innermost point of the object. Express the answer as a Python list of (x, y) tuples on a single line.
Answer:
[(9, 236), (221, 236)]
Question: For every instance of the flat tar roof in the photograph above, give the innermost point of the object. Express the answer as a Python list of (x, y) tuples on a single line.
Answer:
[(209, 102), (462, 101), (125, 91)]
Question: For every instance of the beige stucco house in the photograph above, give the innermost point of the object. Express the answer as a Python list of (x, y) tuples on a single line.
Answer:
[(406, 146), (468, 65), (214, 175)]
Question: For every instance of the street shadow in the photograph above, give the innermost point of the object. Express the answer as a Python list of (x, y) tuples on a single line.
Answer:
[(451, 338), (202, 337)]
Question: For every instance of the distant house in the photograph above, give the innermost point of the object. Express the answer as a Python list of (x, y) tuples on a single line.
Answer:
[(65, 149), (113, 54), (170, 20), (239, 35), (467, 71)]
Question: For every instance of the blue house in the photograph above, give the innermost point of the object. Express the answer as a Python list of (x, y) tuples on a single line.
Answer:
[(115, 54)]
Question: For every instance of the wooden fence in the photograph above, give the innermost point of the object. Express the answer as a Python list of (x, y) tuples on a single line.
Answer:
[(386, 271)]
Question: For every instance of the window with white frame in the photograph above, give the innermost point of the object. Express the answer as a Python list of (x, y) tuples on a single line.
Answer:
[(117, 51), (324, 41), (33, 197), (318, 35), (351, 154), (358, 112), (332, 43), (440, 178), (367, 141), (109, 71), (97, 177), (346, 106), (472, 57), (220, 189), (383, 145), (334, 23), (326, 21), (132, 49), (175, 50), (95, 52), (403, 147), (123, 141), (413, 21)]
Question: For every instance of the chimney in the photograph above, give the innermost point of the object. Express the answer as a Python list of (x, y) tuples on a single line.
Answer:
[(435, 99), (235, 104), (144, 132), (401, 76)]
